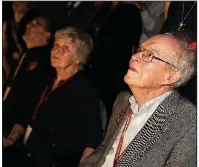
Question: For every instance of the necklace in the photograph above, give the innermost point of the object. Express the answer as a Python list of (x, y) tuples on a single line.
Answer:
[(183, 18)]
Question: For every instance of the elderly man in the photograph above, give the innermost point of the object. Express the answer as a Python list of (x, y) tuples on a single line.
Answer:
[(13, 30), (154, 127), (36, 38), (29, 83), (36, 64)]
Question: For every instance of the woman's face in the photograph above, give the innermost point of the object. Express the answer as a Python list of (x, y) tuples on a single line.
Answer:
[(63, 54)]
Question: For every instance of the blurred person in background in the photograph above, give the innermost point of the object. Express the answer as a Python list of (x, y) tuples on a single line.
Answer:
[(118, 33), (28, 85), (152, 18)]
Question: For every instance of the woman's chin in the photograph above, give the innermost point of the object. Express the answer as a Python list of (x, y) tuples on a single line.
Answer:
[(55, 65)]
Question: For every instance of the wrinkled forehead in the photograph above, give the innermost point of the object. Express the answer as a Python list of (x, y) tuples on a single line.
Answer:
[(64, 42), (164, 45)]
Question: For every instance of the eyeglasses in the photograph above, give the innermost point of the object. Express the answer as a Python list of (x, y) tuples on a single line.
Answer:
[(148, 56)]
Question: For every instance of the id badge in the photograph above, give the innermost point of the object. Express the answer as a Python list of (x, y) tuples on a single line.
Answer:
[(27, 134)]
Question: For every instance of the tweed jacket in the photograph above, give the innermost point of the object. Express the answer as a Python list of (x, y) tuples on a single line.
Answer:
[(168, 139)]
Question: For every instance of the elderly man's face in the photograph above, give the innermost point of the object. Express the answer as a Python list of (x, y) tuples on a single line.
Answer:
[(35, 28), (152, 75), (63, 53)]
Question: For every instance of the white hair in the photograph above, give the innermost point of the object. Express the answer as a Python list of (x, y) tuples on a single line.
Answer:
[(186, 62), (82, 41)]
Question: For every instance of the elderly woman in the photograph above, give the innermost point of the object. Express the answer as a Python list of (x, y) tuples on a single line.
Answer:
[(65, 126)]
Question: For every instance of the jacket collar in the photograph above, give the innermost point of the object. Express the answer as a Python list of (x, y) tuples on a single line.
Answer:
[(151, 132)]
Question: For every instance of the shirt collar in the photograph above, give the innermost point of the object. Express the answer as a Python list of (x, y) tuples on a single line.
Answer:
[(156, 101)]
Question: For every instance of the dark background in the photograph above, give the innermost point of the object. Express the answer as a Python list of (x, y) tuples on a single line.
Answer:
[(54, 10)]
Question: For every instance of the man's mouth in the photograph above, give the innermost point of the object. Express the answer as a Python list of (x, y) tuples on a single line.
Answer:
[(132, 69), (54, 57), (27, 32)]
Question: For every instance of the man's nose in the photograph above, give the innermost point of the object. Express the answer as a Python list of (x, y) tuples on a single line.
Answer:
[(136, 57)]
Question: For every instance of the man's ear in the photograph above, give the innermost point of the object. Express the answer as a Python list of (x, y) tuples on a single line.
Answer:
[(173, 76)]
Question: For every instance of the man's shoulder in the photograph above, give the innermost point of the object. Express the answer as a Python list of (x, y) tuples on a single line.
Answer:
[(123, 97), (180, 107), (180, 101), (187, 109), (122, 102)]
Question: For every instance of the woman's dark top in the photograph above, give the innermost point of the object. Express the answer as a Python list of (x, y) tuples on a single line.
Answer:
[(66, 122)]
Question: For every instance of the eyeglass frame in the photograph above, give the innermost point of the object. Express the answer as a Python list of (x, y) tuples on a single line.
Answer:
[(153, 57)]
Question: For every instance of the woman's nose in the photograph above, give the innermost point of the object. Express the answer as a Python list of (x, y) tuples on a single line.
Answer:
[(56, 49)]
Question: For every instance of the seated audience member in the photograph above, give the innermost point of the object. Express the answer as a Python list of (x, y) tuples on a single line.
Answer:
[(152, 125), (65, 127), (33, 75), (13, 30)]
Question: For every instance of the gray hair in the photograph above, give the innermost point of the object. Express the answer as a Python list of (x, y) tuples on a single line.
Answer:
[(82, 41), (186, 62)]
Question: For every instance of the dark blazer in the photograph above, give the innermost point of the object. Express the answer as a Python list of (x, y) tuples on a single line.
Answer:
[(66, 123), (168, 139), (27, 87)]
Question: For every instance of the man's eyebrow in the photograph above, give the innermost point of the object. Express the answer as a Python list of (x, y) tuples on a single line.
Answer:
[(148, 43), (156, 50)]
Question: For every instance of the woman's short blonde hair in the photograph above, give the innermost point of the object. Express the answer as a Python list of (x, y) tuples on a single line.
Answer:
[(82, 41)]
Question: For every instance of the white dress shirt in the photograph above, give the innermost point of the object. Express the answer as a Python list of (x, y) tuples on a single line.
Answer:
[(138, 119)]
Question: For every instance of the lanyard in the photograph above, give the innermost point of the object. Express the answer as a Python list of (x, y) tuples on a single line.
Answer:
[(45, 95), (119, 147), (42, 98)]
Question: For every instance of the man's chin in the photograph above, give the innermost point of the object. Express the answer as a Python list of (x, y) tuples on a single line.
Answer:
[(126, 79), (129, 80), (25, 37)]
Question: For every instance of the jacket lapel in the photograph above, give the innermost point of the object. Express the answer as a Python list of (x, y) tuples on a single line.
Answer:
[(149, 134), (117, 125), (116, 122)]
